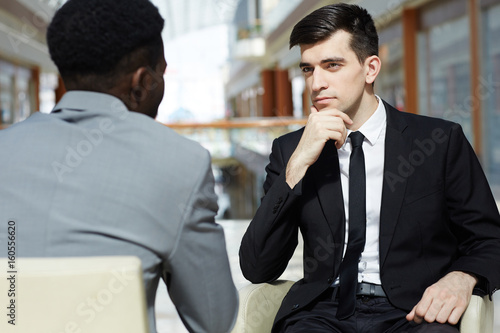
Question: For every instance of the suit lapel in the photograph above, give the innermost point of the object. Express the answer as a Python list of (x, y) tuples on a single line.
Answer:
[(326, 176), (397, 147)]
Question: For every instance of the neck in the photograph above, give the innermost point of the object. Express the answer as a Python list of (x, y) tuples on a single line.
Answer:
[(118, 88), (364, 110)]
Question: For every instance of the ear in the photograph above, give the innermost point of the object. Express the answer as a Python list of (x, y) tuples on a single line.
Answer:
[(372, 66), (138, 87)]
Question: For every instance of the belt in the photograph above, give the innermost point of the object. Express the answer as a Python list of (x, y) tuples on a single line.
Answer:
[(370, 289)]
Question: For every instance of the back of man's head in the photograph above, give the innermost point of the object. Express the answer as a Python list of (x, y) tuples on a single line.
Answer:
[(102, 39), (322, 23)]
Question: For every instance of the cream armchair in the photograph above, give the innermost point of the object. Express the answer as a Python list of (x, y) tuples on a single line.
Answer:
[(84, 294), (259, 304)]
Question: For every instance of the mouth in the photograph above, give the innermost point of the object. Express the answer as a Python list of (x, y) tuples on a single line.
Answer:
[(323, 100)]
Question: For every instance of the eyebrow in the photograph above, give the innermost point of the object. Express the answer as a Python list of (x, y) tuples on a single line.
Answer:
[(324, 61)]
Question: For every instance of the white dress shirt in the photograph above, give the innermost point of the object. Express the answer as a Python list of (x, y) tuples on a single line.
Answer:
[(373, 148)]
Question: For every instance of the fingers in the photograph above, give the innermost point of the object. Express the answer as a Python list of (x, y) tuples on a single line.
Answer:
[(411, 316), (335, 113), (345, 118), (325, 127), (321, 127), (455, 316), (328, 125), (437, 311), (451, 310), (419, 312)]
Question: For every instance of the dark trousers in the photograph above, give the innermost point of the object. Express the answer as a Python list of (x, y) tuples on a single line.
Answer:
[(372, 315)]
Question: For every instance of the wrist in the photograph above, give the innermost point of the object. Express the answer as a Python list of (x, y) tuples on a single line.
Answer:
[(468, 278), (294, 172), (473, 279)]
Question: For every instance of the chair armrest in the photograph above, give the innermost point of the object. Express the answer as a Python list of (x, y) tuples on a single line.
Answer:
[(478, 317), (258, 306)]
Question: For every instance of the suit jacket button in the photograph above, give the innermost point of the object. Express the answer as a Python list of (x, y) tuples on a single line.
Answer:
[(330, 280), (295, 306)]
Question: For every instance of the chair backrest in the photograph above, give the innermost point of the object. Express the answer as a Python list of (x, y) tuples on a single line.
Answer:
[(80, 294)]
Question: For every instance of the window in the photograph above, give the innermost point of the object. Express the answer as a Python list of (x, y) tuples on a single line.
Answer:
[(16, 93), (390, 81), (444, 64), (489, 92), (7, 92)]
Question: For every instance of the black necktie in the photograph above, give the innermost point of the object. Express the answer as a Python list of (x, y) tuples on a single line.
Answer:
[(357, 228)]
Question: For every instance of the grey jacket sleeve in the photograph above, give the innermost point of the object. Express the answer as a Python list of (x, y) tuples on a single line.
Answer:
[(199, 281)]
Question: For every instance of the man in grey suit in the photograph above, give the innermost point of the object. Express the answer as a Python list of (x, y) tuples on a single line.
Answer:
[(98, 176)]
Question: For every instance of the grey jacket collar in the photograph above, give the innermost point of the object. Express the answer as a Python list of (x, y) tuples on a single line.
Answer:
[(78, 100)]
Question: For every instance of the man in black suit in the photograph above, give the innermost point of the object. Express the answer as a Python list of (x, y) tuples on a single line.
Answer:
[(407, 255)]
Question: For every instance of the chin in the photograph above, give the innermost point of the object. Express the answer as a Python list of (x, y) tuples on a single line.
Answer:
[(329, 106)]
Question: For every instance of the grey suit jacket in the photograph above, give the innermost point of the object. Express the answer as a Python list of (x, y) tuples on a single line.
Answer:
[(92, 179)]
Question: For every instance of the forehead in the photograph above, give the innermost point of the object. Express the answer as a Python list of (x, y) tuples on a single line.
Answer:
[(337, 46)]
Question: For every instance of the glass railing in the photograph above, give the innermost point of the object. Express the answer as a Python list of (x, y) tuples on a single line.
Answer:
[(221, 138)]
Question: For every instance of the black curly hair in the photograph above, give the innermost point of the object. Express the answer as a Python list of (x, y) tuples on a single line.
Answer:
[(104, 37), (322, 23)]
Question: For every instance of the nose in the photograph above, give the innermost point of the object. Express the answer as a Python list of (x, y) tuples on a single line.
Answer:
[(319, 81)]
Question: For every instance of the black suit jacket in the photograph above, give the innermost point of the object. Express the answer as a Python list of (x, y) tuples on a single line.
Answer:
[(437, 215)]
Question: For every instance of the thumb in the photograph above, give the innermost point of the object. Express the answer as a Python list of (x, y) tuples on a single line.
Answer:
[(410, 316)]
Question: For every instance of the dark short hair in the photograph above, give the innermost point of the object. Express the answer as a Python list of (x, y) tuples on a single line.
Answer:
[(91, 37), (322, 23)]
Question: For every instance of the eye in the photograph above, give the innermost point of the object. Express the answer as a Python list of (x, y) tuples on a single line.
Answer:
[(333, 65), (306, 70)]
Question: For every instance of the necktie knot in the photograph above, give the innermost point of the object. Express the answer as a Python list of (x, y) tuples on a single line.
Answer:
[(356, 139)]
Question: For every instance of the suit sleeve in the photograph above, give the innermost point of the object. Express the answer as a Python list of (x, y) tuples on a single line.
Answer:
[(473, 212), (272, 235), (200, 282)]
